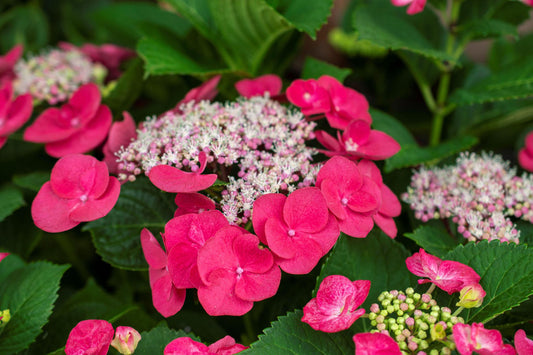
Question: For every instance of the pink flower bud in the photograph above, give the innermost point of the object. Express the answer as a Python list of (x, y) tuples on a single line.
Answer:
[(471, 296), (126, 340)]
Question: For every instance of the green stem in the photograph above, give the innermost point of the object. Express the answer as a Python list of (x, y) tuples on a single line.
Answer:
[(431, 289), (457, 311), (248, 326)]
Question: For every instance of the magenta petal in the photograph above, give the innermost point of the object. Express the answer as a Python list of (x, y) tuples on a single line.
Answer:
[(218, 253), (257, 287), (522, 343), (356, 225), (181, 261), (357, 132), (49, 127), (19, 112), (51, 213), (166, 298), (329, 142), (153, 253), (90, 337), (206, 91), (379, 146), (333, 292), (328, 236), (342, 172), (194, 229), (278, 239), (366, 199), (259, 86), (369, 168), (265, 207), (3, 141), (307, 254), (85, 101), (309, 96), (386, 224), (192, 202), (525, 159), (120, 134), (333, 198), (98, 208), (375, 344), (226, 346), (185, 346), (219, 297), (305, 210), (250, 257), (170, 179), (390, 205)]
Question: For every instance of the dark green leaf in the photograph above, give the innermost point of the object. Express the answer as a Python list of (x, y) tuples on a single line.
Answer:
[(10, 264), (24, 24), (307, 15), (117, 235), (289, 335), (198, 14), (11, 199), (32, 181), (127, 88), (483, 28), (390, 125), (19, 234), (154, 341), (412, 155), (314, 68), (506, 271), (436, 241), (29, 293)]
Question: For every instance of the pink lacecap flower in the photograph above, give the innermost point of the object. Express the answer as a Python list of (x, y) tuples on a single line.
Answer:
[(359, 141), (525, 156), (171, 179), (126, 340), (375, 344), (13, 113), (390, 205), (523, 345), (309, 96), (335, 306), (90, 337), (415, 6), (120, 134), (346, 103), (192, 202), (77, 127), (187, 346), (450, 276), (236, 272), (109, 55), (184, 236), (206, 91), (80, 190), (299, 229), (3, 256), (351, 196), (470, 338), (166, 298), (7, 62), (259, 86)]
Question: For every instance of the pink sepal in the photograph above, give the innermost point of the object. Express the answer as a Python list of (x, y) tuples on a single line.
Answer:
[(375, 344), (270, 83), (192, 202), (206, 91), (120, 135), (7, 62), (309, 96), (226, 346), (185, 346), (90, 337), (475, 337), (523, 345)]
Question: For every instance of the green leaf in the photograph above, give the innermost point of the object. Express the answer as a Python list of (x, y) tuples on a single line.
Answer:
[(412, 155), (434, 240), (117, 235), (127, 89), (307, 15), (505, 53), (26, 25), (154, 341), (314, 68), (198, 14), (390, 125), (390, 27), (32, 181), (506, 271), (29, 293), (289, 335), (377, 258), (513, 83), (11, 199), (11, 263), (483, 28), (19, 234)]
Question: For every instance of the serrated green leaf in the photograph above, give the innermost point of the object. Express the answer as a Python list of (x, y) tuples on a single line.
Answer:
[(289, 335), (29, 293), (198, 14), (485, 28), (117, 235), (32, 181), (513, 83), (154, 341), (314, 68), (391, 28), (390, 125), (377, 258), (512, 12), (127, 88), (307, 15), (412, 155), (506, 271), (436, 241), (11, 199)]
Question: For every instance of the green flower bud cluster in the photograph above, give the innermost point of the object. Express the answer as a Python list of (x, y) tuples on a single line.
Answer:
[(415, 321)]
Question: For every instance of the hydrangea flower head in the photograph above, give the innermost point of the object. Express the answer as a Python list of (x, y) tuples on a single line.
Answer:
[(450, 276), (375, 344), (470, 338), (268, 83), (77, 127), (336, 305), (415, 6), (7, 63), (90, 337), (14, 112), (80, 190)]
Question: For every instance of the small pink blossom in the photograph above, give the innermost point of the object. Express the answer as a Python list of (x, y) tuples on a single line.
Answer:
[(171, 179), (471, 296), (335, 306), (523, 345), (415, 6), (14, 112), (192, 202), (299, 229), (120, 135), (126, 340), (309, 96), (90, 337), (226, 346), (525, 156), (206, 91), (166, 298), (352, 197), (185, 346), (450, 276), (236, 272), (7, 62), (259, 86), (375, 344), (77, 127), (470, 338), (80, 190)]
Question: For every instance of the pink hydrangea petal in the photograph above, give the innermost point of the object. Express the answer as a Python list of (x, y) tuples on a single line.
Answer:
[(185, 346), (86, 102), (332, 194), (416, 7), (366, 199), (375, 344), (525, 159), (171, 179), (120, 134), (250, 257), (522, 343), (97, 208), (462, 338), (219, 297), (307, 254), (166, 298), (453, 276), (401, 2), (305, 210), (278, 239), (84, 139), (257, 287), (356, 225), (386, 224), (181, 262), (153, 253), (329, 142), (19, 113), (218, 253), (370, 169), (309, 96), (378, 147), (265, 207), (226, 346), (358, 131), (423, 264), (90, 337), (259, 86), (342, 172), (206, 91), (51, 213), (390, 205), (3, 141), (8, 60), (328, 236), (48, 127), (333, 292), (192, 202)]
